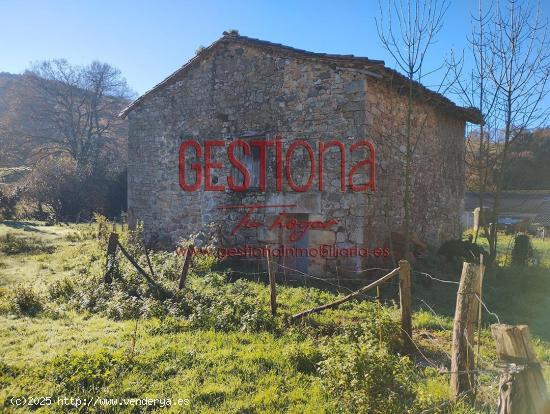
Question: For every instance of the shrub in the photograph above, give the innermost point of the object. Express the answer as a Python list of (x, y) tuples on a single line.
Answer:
[(74, 237), (226, 308), (83, 374), (123, 306), (8, 203), (104, 229), (61, 290), (7, 373), (522, 251), (365, 378), (25, 301), (304, 356), (5, 303), (12, 244)]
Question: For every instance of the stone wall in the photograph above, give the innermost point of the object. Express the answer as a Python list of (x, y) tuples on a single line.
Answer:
[(240, 91)]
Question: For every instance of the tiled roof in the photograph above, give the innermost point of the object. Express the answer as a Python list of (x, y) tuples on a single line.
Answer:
[(375, 68)]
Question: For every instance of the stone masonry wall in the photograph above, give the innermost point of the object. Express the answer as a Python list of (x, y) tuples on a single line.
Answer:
[(240, 91)]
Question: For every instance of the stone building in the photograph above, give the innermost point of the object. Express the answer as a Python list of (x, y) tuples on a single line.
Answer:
[(248, 89)]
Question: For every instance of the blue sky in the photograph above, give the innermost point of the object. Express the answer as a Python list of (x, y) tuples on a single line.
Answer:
[(148, 40)]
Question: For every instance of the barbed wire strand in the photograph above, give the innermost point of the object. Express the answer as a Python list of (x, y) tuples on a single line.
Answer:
[(453, 282), (493, 314)]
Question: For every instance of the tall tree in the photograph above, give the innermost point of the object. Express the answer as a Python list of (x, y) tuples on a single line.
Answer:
[(73, 110), (520, 73), (64, 121), (477, 90), (407, 29)]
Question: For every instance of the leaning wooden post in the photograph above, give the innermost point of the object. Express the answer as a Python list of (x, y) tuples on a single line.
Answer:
[(462, 358), (480, 307), (111, 257), (146, 255), (522, 386), (352, 295), (186, 264), (272, 284), (405, 302)]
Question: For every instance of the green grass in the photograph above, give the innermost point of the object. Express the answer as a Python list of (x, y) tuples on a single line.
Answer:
[(37, 266), (217, 344), (514, 295), (218, 372)]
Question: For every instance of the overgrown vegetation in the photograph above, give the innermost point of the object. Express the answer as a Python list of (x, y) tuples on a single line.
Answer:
[(8, 203), (522, 252), (60, 130), (11, 243), (63, 332), (25, 301)]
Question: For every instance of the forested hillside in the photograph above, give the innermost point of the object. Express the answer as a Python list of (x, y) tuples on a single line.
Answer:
[(529, 165), (26, 116), (63, 144)]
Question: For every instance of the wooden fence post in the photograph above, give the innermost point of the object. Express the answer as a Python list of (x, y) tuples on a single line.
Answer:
[(146, 250), (405, 302), (186, 264), (522, 386), (480, 308), (272, 285), (462, 358), (111, 257)]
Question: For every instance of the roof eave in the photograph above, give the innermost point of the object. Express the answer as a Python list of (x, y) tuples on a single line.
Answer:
[(377, 66)]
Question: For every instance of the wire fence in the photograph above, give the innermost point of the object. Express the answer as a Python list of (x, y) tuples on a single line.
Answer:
[(487, 371)]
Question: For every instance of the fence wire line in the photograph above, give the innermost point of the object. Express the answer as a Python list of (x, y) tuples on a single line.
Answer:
[(339, 286), (435, 364), (493, 314), (443, 328), (439, 367), (359, 271), (247, 273), (312, 277), (448, 402), (325, 280), (437, 279), (364, 270), (486, 362)]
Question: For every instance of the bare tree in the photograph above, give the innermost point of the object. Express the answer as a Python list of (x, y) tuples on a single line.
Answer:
[(407, 29), (63, 122), (478, 91), (72, 110), (520, 74)]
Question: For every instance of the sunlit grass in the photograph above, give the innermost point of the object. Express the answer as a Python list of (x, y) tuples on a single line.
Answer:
[(264, 370)]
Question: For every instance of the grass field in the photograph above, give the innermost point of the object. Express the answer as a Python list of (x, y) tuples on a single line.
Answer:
[(216, 348), (515, 295)]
